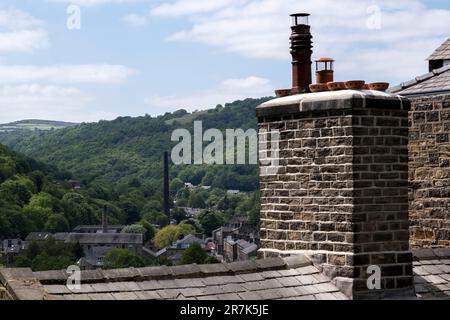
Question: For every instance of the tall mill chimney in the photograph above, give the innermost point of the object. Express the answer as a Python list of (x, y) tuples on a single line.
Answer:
[(166, 185), (301, 51), (105, 220)]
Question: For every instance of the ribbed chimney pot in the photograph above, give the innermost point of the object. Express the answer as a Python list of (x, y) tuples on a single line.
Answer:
[(301, 51)]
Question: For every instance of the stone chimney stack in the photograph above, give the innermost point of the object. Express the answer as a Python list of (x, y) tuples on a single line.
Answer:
[(105, 220), (337, 186), (301, 51)]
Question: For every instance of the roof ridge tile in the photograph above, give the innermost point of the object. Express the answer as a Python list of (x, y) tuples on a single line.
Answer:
[(177, 272)]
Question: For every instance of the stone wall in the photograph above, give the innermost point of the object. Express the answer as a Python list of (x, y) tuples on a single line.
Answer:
[(429, 171), (340, 193), (4, 294)]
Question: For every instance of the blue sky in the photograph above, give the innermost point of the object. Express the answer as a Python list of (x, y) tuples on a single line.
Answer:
[(132, 57)]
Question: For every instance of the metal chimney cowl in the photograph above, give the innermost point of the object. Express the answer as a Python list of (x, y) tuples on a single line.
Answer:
[(301, 51)]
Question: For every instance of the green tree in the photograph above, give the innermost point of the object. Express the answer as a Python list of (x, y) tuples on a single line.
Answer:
[(77, 250), (176, 185), (39, 179), (134, 228), (18, 191), (48, 255), (194, 254), (178, 214), (150, 231), (196, 200), (169, 234), (210, 220), (57, 223), (122, 258), (42, 200), (131, 210)]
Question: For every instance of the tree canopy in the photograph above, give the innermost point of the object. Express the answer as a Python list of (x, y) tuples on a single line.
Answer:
[(172, 233)]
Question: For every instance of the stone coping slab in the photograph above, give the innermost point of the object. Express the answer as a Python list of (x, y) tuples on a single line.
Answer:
[(332, 100)]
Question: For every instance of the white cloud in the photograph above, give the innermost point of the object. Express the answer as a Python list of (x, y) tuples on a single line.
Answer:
[(135, 20), (186, 7), (88, 73), (92, 3), (260, 29), (15, 19), (21, 32), (34, 101), (226, 91), (23, 41)]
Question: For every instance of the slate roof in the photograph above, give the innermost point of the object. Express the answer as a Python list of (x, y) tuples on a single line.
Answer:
[(83, 228), (435, 82), (246, 246), (13, 246), (441, 53), (101, 238), (154, 254), (38, 236), (267, 279), (293, 277), (187, 240), (432, 273)]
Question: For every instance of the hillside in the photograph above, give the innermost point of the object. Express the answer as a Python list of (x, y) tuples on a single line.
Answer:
[(120, 162), (37, 197), (131, 148), (31, 125)]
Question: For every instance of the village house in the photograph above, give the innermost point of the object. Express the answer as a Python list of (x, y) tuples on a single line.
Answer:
[(175, 251), (238, 250), (238, 228), (98, 229), (97, 245), (96, 241), (191, 212), (11, 248), (429, 151)]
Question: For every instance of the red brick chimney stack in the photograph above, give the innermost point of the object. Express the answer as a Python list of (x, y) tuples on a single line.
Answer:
[(301, 51)]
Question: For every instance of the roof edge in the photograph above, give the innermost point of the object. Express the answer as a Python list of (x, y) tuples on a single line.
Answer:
[(410, 83), (176, 272)]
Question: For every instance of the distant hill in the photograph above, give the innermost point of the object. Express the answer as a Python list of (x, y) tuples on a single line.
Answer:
[(119, 164), (127, 149), (33, 124)]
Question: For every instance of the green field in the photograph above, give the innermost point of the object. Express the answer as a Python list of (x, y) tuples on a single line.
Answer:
[(35, 125)]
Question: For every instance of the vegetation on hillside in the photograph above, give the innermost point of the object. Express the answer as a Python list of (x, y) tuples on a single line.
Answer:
[(28, 125), (118, 164), (49, 255), (118, 258), (195, 254), (38, 197)]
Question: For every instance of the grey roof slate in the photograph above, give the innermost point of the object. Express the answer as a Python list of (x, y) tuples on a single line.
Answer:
[(434, 82), (104, 238), (225, 281), (441, 53), (432, 273), (437, 81), (38, 236), (275, 278)]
